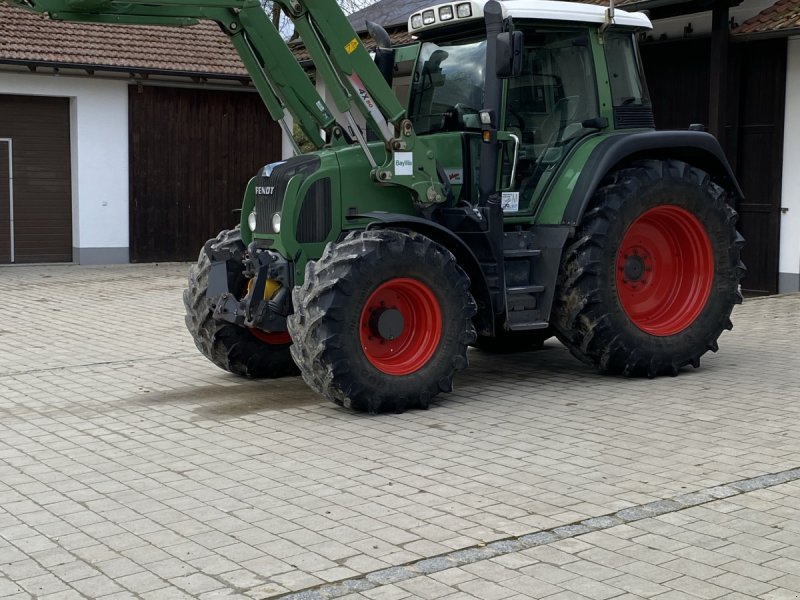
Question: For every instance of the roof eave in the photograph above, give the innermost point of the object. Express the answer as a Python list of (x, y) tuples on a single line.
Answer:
[(131, 70), (761, 35), (691, 6)]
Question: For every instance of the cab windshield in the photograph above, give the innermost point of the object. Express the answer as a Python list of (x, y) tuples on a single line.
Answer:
[(447, 89)]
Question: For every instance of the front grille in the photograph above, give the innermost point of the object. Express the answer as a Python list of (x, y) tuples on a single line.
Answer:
[(266, 206), (271, 189), (316, 214), (634, 117)]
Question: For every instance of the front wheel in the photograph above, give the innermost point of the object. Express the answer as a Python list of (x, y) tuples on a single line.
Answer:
[(650, 280), (382, 321), (242, 351)]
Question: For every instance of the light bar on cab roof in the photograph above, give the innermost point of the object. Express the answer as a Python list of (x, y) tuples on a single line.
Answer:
[(444, 14)]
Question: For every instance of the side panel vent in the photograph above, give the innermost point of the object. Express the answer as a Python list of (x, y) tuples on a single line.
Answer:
[(316, 214), (634, 117)]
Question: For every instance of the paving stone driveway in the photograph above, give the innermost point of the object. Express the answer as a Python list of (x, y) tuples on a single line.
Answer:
[(131, 467)]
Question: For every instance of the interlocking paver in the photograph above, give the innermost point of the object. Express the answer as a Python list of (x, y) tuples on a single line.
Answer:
[(582, 577), (123, 452)]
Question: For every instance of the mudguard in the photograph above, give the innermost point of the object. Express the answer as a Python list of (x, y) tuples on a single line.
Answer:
[(484, 320), (694, 147)]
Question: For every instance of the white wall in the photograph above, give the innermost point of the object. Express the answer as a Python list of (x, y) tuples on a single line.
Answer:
[(790, 221), (287, 149), (99, 148)]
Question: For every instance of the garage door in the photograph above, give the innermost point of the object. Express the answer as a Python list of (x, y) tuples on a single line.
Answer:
[(192, 153), (677, 74), (35, 186)]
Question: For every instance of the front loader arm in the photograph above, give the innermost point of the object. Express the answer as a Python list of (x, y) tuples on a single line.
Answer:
[(339, 56)]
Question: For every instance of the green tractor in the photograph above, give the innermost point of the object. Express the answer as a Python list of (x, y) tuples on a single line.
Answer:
[(495, 183)]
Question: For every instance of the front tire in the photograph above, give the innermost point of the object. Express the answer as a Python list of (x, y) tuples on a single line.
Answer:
[(238, 350), (650, 280), (382, 321)]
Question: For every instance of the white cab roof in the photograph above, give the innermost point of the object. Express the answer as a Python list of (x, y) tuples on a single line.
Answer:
[(449, 13), (572, 11)]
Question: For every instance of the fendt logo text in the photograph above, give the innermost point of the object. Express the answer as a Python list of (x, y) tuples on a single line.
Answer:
[(265, 190)]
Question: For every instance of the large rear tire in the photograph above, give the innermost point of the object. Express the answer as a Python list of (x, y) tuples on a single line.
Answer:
[(382, 321), (649, 282), (239, 350)]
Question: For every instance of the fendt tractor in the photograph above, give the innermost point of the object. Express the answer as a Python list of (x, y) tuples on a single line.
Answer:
[(494, 183)]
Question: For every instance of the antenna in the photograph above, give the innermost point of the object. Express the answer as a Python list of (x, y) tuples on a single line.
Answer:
[(609, 20)]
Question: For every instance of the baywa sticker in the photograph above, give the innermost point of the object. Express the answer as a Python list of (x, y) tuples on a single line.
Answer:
[(455, 176), (403, 163), (510, 201)]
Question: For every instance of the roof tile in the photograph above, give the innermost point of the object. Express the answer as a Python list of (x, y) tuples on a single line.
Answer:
[(781, 16), (200, 49)]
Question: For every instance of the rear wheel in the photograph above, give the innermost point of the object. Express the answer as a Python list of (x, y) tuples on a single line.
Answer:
[(649, 283), (382, 321), (242, 351)]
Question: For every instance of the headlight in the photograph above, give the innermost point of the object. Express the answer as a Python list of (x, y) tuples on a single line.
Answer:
[(428, 17), (251, 221), (464, 10), (416, 21), (276, 222), (445, 13)]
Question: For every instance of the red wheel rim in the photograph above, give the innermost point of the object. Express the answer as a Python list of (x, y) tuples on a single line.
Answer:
[(272, 337), (400, 326), (664, 270)]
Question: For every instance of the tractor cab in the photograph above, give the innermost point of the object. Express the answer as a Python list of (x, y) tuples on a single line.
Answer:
[(578, 76)]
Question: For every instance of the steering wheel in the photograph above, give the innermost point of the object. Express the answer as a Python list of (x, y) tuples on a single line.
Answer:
[(453, 118)]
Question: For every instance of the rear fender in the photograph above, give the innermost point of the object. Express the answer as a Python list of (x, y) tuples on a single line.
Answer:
[(696, 148)]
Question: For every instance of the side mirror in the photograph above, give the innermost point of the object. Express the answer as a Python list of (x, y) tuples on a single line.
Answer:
[(510, 45)]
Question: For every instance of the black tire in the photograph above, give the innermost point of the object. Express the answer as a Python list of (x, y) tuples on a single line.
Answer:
[(230, 347), (588, 314), (509, 342), (331, 305)]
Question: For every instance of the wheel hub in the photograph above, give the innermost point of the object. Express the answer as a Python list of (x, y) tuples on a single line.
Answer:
[(634, 267), (387, 323)]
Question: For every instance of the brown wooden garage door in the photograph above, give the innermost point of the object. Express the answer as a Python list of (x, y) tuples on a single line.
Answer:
[(192, 153), (677, 75), (35, 131)]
